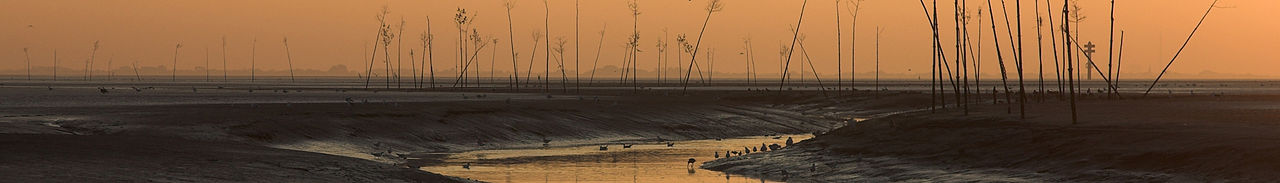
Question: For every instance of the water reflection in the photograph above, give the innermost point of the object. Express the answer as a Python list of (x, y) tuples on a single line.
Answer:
[(647, 162)]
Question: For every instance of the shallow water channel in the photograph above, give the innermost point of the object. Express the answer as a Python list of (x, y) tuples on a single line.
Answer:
[(652, 162)]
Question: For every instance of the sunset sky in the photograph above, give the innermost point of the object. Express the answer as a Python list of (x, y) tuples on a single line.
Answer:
[(1239, 40)]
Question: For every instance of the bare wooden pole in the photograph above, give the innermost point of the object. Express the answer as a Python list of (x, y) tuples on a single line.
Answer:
[(1184, 46), (577, 48), (88, 69), (399, 55), (1111, 42), (941, 58), (528, 74), (1004, 77), (111, 60), (935, 75), (289, 55), (877, 88), (564, 76), (839, 52), (1012, 47), (853, 9), (959, 54), (635, 46), (55, 65), (1053, 38), (431, 53), (27, 53), (966, 50), (595, 66), (136, 74), (960, 59), (175, 61), (377, 38), (224, 58), (413, 68), (805, 52), (952, 77), (1040, 51), (712, 7), (1022, 89), (387, 38), (511, 34), (467, 65), (1103, 75), (546, 5), (206, 65), (977, 63), (933, 64), (1118, 63), (1066, 29)]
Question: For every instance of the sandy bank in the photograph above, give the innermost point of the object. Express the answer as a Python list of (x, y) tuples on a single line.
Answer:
[(111, 158), (1200, 138)]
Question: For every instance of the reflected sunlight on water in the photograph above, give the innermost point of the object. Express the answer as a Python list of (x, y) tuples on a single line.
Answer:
[(653, 162)]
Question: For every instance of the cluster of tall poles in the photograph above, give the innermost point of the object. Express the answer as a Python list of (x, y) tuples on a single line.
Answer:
[(956, 71), (471, 44), (90, 63)]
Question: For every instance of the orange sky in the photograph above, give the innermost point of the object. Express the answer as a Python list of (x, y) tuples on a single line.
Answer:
[(324, 33)]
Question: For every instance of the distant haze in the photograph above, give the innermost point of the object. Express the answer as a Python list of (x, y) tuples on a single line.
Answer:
[(1235, 42)]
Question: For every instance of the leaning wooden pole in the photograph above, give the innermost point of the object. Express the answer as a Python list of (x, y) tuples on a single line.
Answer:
[(791, 51), (1053, 39), (289, 55), (942, 57), (1012, 47), (821, 88), (1004, 76), (933, 64), (713, 7), (1103, 75), (594, 66), (1184, 46), (1119, 58)]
